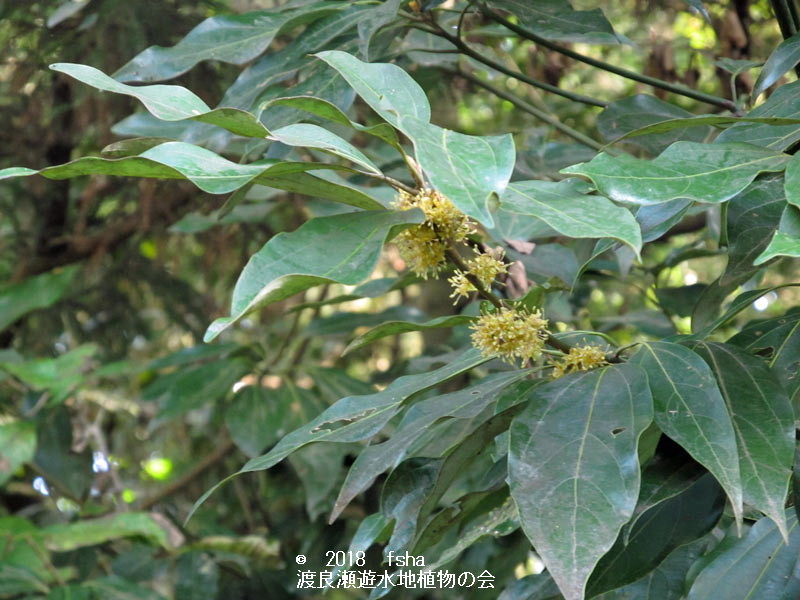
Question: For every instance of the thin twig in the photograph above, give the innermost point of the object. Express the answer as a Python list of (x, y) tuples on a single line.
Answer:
[(530, 109), (466, 49), (398, 185), (209, 461), (653, 81)]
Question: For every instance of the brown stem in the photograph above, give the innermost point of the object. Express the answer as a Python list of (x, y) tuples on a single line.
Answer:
[(209, 461)]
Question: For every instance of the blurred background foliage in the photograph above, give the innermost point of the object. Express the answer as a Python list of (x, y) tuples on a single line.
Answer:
[(109, 284)]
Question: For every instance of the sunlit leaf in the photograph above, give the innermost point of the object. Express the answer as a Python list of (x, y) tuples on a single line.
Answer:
[(690, 409), (292, 262), (709, 173), (573, 467)]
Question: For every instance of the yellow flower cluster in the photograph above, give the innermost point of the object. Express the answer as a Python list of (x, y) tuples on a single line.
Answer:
[(580, 358), (422, 250), (510, 334), (440, 214), (423, 246), (484, 267)]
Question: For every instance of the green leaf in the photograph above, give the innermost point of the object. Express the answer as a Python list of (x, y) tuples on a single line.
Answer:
[(290, 263), (792, 181), (758, 565), (737, 66), (192, 387), (327, 110), (233, 39), (573, 467), (469, 170), (197, 576), (34, 293), (779, 340), (557, 20), (377, 458), (320, 186), (763, 420), (680, 300), (17, 446), (785, 102), (388, 89), (783, 59), (377, 18), (663, 477), (169, 102), (276, 67), (703, 120), (398, 327), (573, 214), (690, 409), (117, 588), (709, 173), (355, 418), (676, 521), (344, 322), (132, 147), (632, 114), (320, 468), (68, 471), (63, 537), (742, 301), (313, 136), (786, 240), (667, 581), (259, 416), (56, 375), (500, 519), (753, 217), (532, 587), (211, 172)]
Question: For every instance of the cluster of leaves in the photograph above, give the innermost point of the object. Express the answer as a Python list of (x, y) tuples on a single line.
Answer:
[(657, 464)]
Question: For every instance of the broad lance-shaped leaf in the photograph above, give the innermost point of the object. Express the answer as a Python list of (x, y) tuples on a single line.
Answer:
[(763, 419), (233, 39), (690, 409), (32, 293), (778, 338), (208, 171), (695, 121), (341, 249), (356, 418), (622, 117), (313, 136), (388, 89), (571, 213), (678, 520), (377, 458), (784, 58), (557, 20), (377, 18), (327, 110), (17, 446), (574, 470), (786, 240), (469, 170), (758, 565), (398, 327), (710, 173), (169, 102), (63, 537), (784, 102)]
